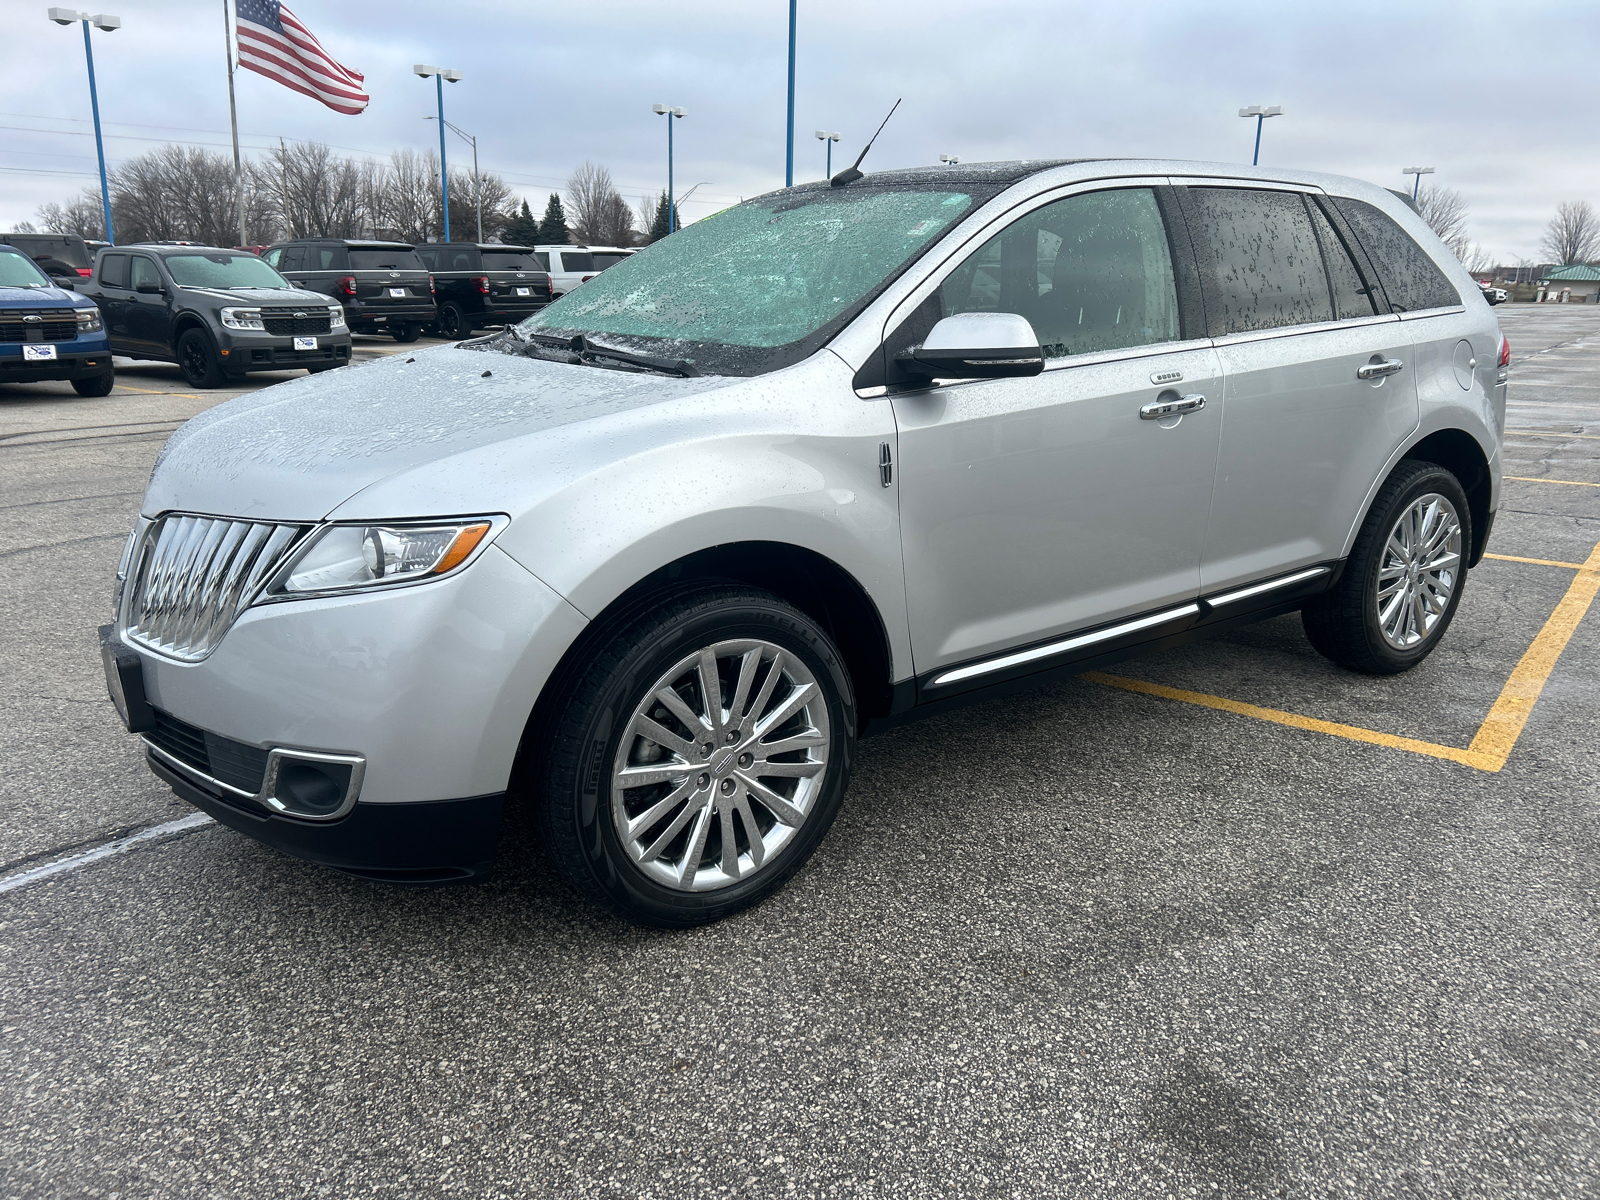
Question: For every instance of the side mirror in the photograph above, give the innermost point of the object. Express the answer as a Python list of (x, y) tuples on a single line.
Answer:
[(976, 345), (150, 289)]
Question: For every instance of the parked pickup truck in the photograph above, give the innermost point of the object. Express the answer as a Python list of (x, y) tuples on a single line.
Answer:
[(216, 313), (46, 332), (478, 284)]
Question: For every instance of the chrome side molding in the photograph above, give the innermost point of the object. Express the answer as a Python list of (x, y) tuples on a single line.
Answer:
[(1064, 645), (1270, 585)]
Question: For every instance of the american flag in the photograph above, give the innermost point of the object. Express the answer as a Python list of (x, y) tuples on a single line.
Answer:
[(274, 43)]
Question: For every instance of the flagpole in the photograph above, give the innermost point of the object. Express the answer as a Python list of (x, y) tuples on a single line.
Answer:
[(233, 117)]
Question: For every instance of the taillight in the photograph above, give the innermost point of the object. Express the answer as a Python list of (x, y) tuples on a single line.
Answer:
[(1505, 351), (84, 271), (346, 285), (432, 290), (483, 284)]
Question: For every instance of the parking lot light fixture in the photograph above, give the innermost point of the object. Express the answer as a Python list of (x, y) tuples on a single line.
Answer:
[(949, 160), (788, 170), (830, 139), (440, 76), (106, 24), (1416, 183), (671, 114), (1260, 112)]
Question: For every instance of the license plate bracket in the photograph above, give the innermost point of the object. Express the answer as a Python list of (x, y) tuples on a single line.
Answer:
[(38, 353), (125, 682), (305, 343), (397, 293)]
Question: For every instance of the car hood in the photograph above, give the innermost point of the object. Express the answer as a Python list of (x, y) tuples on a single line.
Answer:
[(50, 297), (296, 451), (249, 296)]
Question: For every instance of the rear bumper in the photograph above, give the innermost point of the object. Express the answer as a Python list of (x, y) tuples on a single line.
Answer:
[(360, 316), (444, 841)]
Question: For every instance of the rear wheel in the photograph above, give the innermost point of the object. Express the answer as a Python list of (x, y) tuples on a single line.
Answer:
[(1403, 582), (95, 385), (453, 321), (700, 758), (404, 331), (199, 361)]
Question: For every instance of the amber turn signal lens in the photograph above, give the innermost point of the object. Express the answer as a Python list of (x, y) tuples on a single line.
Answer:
[(466, 542)]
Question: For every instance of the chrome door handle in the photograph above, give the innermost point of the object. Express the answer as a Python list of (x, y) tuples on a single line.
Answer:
[(1377, 370), (1157, 409)]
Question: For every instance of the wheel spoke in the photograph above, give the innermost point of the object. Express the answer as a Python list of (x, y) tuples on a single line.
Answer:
[(758, 845), (768, 685), (674, 827), (798, 741), (632, 777), (785, 770), (711, 690), (662, 736), (792, 703), (730, 842), (749, 662), (697, 846), (776, 804), (647, 819), (679, 707)]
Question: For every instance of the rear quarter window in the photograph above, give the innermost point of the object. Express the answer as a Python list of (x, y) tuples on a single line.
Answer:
[(576, 260), (1410, 277)]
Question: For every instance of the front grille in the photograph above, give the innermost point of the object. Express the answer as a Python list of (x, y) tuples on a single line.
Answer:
[(281, 322), (192, 576), (233, 763), (55, 325)]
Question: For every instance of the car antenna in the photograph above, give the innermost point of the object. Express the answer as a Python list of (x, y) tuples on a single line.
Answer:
[(850, 174)]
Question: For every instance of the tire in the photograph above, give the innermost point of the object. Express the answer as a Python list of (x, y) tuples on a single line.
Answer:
[(199, 361), (321, 367), (95, 385), (453, 322), (652, 874), (1422, 503), (404, 332)]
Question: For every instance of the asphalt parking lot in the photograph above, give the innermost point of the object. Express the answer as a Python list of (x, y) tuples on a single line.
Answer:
[(1231, 922)]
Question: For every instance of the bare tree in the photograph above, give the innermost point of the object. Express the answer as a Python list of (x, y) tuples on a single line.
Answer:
[(1573, 235), (1446, 214), (84, 216), (176, 193), (597, 212), (410, 208), (323, 195)]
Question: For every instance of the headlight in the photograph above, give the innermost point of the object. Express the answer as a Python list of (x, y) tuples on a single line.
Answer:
[(336, 317), (242, 318), (89, 320), (342, 558)]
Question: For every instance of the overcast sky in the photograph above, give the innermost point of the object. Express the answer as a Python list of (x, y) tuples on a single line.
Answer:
[(1500, 97)]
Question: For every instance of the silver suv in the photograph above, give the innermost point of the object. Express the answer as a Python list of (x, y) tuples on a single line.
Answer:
[(840, 456)]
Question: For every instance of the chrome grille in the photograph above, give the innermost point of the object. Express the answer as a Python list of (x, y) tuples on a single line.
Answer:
[(191, 576)]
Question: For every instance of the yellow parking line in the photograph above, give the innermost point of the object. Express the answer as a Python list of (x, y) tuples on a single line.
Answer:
[(1501, 728), (1492, 745), (154, 392), (1537, 562), (1583, 437), (1568, 482)]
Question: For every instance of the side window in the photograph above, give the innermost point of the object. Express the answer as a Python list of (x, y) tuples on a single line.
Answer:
[(1265, 265), (544, 259), (293, 256), (114, 270), (1411, 279), (272, 256), (325, 258), (143, 271), (1351, 295), (1091, 273), (428, 254)]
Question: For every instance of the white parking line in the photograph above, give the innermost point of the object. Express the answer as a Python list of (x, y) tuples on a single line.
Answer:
[(121, 845)]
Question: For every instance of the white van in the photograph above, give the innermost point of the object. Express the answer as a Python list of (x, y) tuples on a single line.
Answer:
[(571, 265)]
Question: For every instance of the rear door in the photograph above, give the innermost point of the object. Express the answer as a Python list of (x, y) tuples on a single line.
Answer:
[(1034, 507), (1295, 323)]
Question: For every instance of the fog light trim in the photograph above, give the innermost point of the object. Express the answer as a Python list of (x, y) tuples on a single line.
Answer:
[(277, 759)]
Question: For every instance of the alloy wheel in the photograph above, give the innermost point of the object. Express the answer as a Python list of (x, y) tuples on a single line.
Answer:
[(1420, 570), (719, 765)]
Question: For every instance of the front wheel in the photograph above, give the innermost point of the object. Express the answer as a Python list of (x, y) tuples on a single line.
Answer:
[(1403, 582), (453, 322), (199, 361), (95, 385), (700, 757)]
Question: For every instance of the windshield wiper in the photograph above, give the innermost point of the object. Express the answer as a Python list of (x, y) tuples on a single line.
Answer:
[(585, 351)]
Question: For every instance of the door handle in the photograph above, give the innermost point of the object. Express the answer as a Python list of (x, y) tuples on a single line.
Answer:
[(1157, 409), (1377, 370)]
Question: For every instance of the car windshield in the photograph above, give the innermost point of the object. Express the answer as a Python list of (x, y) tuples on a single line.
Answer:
[(761, 285), (401, 259), (510, 260), (223, 271), (17, 270)]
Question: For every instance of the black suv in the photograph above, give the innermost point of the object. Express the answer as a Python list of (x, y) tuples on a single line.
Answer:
[(216, 313), (383, 286), (479, 283)]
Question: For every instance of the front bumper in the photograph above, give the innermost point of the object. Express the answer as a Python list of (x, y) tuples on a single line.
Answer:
[(248, 351), (431, 685), (83, 358)]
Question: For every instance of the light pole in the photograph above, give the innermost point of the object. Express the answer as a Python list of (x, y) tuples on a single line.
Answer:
[(949, 160), (440, 74), (671, 114), (66, 16), (477, 180), (1260, 112), (830, 139), (788, 169), (1416, 183)]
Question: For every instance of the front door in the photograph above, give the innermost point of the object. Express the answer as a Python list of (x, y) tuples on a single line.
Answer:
[(148, 317), (1034, 507)]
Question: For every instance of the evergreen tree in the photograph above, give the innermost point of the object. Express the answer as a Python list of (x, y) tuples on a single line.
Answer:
[(523, 229), (659, 227), (553, 228)]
